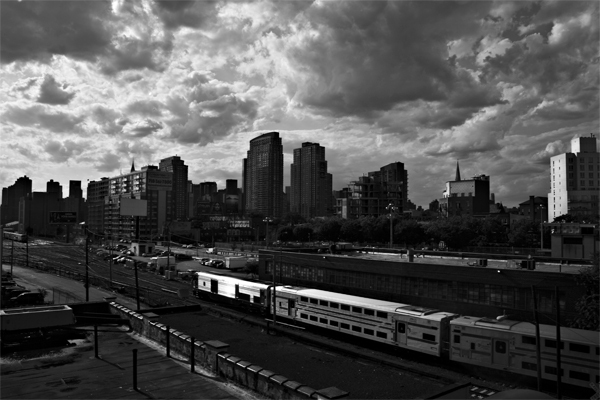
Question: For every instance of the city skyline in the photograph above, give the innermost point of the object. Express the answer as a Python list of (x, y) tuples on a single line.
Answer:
[(499, 86)]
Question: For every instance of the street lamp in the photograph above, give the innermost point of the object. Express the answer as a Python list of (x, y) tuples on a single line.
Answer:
[(542, 226), (87, 275), (267, 220), (391, 209)]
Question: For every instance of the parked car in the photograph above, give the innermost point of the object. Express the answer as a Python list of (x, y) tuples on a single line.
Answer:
[(218, 264), (26, 299), (203, 261), (166, 253), (182, 257)]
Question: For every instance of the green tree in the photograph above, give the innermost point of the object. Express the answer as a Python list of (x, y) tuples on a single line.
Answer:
[(293, 218), (351, 230), (410, 232), (285, 234), (330, 229), (588, 305), (303, 233), (524, 233)]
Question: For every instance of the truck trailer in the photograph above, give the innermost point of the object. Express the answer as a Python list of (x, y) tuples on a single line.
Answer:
[(235, 262)]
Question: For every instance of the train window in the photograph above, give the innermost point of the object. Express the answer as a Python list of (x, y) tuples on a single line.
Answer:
[(369, 332), (552, 370), (472, 346), (333, 323), (203, 283), (356, 328), (552, 344), (333, 305), (244, 296), (528, 340), (580, 348), (313, 318), (428, 336), (381, 314), (324, 303), (257, 299), (401, 328), (500, 347), (303, 316), (323, 320), (369, 312), (456, 338), (582, 376), (314, 301), (304, 299), (529, 366), (344, 326), (382, 335), (357, 310), (345, 307)]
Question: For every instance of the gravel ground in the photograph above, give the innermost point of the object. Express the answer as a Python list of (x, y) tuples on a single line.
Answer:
[(309, 365)]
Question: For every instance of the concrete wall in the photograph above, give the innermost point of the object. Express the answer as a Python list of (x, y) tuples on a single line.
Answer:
[(213, 355)]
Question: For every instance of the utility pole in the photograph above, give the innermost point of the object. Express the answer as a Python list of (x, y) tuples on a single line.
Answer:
[(87, 269), (537, 340), (391, 209)]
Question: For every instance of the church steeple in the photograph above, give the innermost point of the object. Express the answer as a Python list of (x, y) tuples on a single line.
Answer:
[(457, 172), (132, 165)]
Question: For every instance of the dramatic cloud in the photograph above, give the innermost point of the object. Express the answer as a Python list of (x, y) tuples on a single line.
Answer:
[(499, 85), (52, 93)]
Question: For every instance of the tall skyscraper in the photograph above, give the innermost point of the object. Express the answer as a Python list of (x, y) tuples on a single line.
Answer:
[(75, 189), (263, 176), (575, 180), (179, 198), (310, 192), (54, 187), (9, 211)]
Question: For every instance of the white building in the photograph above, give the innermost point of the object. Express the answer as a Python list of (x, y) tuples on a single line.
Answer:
[(575, 180)]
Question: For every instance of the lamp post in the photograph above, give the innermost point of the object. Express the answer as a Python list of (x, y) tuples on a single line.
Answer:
[(542, 226), (391, 209), (267, 220), (87, 275)]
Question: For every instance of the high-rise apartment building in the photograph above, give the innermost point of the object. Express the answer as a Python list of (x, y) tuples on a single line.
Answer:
[(371, 195), (75, 190), (54, 187), (310, 192), (179, 197), (104, 200), (9, 210), (263, 176), (575, 180)]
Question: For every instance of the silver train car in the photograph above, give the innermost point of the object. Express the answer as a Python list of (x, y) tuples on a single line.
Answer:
[(504, 345)]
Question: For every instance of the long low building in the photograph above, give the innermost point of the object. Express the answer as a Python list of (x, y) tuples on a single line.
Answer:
[(464, 286)]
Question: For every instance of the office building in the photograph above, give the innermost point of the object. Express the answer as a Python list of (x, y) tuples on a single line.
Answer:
[(75, 189), (371, 195), (105, 197), (178, 197), (575, 180), (9, 210), (469, 197), (54, 187), (263, 176), (310, 194)]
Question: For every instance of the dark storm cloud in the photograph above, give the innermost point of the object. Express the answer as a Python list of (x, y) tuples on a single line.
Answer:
[(371, 56), (38, 116), (188, 13), (36, 30), (51, 92)]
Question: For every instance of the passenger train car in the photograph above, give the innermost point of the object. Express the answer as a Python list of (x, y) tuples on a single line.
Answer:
[(511, 346), (504, 345)]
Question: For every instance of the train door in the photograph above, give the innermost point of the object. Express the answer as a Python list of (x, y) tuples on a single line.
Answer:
[(214, 286), (237, 291), (500, 352), (401, 332)]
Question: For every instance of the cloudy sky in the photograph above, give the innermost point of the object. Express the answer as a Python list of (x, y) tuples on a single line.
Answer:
[(88, 86)]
